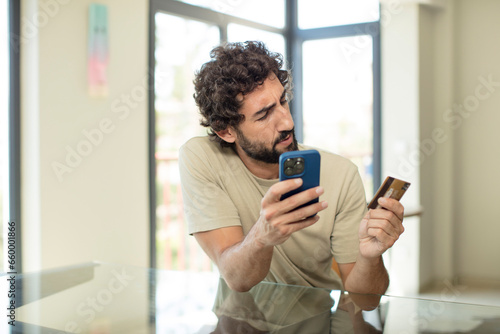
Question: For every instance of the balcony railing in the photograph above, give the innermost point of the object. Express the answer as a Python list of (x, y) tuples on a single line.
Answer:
[(175, 249)]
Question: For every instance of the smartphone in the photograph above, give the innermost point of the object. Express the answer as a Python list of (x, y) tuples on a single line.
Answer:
[(300, 164), (392, 188)]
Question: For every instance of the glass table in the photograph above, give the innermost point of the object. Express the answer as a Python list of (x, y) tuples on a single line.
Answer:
[(109, 298)]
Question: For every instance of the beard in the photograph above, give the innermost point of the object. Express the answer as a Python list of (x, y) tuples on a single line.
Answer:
[(258, 150)]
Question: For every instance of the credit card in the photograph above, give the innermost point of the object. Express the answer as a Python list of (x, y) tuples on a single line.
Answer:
[(391, 188)]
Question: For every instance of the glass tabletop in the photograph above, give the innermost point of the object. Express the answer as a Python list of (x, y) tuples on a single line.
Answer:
[(109, 298)]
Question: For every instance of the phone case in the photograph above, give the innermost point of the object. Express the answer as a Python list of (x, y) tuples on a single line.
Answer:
[(309, 174)]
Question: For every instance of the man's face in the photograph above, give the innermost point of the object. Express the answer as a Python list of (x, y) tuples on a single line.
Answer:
[(259, 151), (268, 129)]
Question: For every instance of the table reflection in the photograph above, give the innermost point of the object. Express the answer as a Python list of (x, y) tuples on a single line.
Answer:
[(277, 308), (107, 298)]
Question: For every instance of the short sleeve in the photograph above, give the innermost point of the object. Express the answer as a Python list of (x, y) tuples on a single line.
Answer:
[(207, 205)]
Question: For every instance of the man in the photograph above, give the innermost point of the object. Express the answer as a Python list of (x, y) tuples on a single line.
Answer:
[(232, 194)]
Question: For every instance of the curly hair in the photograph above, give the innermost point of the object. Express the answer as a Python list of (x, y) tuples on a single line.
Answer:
[(235, 68)]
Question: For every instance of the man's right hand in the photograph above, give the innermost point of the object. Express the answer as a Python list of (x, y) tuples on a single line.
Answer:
[(279, 219), (244, 261)]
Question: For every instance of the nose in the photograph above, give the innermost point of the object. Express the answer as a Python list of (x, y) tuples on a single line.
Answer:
[(285, 120)]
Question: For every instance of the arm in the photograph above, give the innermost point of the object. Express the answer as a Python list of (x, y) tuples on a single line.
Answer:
[(378, 231), (244, 261)]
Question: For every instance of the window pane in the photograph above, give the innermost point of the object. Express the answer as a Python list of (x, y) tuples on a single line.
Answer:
[(239, 33), (271, 13), (325, 13), (182, 46), (4, 109), (338, 100)]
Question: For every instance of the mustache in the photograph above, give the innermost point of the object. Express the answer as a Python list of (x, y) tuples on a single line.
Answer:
[(283, 135)]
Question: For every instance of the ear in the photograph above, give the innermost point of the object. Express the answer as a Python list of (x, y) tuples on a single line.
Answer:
[(228, 135)]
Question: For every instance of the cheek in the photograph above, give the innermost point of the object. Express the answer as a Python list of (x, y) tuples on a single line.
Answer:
[(259, 130), (266, 134)]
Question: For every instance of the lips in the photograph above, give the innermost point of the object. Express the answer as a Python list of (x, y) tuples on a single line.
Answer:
[(287, 140)]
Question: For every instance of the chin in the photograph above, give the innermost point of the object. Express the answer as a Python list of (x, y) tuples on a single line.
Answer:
[(292, 147)]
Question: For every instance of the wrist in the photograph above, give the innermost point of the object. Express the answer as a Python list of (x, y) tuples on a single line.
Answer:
[(255, 242), (375, 261)]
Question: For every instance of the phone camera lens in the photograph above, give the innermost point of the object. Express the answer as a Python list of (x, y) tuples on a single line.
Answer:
[(289, 171), (299, 166), (289, 163)]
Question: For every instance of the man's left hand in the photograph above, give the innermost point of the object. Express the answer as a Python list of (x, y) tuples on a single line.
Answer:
[(380, 228)]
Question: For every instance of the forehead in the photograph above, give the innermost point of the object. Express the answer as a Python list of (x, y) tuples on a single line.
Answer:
[(270, 90)]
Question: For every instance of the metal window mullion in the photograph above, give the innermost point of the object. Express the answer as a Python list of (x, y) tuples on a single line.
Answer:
[(295, 60), (14, 140), (152, 134), (366, 28), (377, 113), (152, 163), (223, 33)]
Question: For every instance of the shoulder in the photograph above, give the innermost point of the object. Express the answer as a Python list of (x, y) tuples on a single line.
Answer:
[(204, 151), (199, 145), (202, 147)]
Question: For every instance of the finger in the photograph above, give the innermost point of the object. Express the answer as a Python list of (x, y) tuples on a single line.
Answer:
[(383, 225), (382, 232), (287, 205), (392, 205), (299, 225), (278, 189), (301, 214), (283, 231), (301, 198), (382, 236), (391, 217)]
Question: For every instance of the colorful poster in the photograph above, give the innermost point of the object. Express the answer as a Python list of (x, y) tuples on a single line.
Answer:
[(98, 50)]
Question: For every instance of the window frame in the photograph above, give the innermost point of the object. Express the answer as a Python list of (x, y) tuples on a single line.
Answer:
[(294, 39), (14, 137)]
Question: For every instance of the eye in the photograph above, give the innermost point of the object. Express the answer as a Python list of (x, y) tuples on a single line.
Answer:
[(263, 117), (285, 100)]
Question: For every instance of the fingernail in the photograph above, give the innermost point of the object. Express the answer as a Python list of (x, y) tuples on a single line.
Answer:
[(382, 200), (320, 190), (324, 204), (298, 181)]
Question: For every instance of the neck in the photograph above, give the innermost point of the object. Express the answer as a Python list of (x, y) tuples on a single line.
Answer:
[(258, 168)]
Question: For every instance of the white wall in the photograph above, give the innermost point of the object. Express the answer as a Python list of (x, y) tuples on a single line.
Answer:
[(454, 51), (460, 178), (477, 155), (98, 210)]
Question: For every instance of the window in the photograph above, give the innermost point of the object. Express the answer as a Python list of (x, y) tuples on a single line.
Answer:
[(238, 33), (184, 34), (176, 122), (340, 89), (342, 105), (271, 13), (336, 13), (333, 51)]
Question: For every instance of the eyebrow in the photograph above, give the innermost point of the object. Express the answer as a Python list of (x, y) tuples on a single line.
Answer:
[(266, 109)]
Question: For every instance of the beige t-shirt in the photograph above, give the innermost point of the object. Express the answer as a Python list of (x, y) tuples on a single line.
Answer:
[(219, 191)]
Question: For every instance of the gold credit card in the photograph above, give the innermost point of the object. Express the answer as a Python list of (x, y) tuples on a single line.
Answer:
[(392, 188)]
